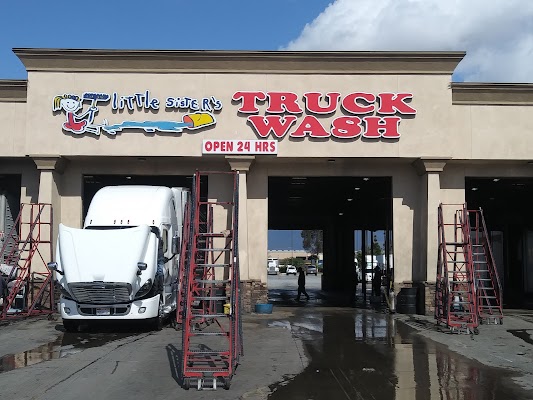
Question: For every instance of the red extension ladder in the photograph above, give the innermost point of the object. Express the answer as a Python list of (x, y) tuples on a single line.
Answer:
[(211, 313), (24, 255), (487, 281), (455, 295)]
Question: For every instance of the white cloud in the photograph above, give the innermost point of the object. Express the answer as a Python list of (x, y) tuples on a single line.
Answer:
[(496, 34)]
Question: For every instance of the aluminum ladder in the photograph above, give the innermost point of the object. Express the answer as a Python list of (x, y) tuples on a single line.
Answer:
[(33, 290), (487, 281), (211, 317), (455, 294)]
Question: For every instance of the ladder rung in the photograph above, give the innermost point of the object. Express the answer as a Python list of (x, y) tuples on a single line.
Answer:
[(210, 333), (486, 297), (210, 297), (214, 249), (193, 369), (223, 352), (212, 281), (211, 265), (209, 315), (455, 243)]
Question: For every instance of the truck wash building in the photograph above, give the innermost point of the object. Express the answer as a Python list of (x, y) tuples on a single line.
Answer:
[(338, 141)]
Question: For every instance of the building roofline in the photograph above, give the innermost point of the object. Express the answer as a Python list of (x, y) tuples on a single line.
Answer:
[(238, 61), (13, 90), (472, 93)]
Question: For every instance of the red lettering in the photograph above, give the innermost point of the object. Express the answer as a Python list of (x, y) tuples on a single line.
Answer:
[(276, 124), (229, 146), (208, 146), (280, 102), (350, 104), (249, 101), (312, 101), (386, 127), (216, 146), (346, 127), (272, 147), (390, 103), (312, 126), (265, 147)]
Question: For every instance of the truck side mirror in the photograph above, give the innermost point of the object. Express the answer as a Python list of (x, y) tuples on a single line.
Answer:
[(176, 245), (141, 267), (52, 266)]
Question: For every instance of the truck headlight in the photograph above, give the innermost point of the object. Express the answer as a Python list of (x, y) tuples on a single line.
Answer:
[(144, 288)]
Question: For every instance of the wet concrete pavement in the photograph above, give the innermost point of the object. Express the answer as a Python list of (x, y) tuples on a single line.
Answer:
[(308, 350), (363, 354)]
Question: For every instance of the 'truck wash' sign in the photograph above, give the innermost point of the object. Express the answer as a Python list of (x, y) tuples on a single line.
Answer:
[(372, 116)]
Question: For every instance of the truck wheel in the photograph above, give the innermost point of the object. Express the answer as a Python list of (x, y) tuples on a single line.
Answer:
[(70, 325), (158, 321)]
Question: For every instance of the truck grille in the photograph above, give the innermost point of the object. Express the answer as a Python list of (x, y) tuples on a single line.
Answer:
[(100, 292)]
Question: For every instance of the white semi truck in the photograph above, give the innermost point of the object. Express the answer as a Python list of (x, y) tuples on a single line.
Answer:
[(123, 264)]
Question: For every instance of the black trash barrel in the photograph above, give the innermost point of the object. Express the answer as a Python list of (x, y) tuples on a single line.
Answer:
[(406, 300)]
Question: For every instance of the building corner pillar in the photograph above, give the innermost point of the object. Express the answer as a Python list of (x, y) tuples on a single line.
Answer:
[(429, 170), (254, 291), (50, 168)]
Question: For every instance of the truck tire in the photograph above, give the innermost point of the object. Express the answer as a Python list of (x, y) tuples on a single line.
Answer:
[(157, 323)]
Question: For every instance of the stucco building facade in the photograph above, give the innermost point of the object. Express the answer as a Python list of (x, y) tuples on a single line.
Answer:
[(334, 114)]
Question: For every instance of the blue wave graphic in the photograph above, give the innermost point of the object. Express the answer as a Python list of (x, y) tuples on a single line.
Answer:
[(148, 126)]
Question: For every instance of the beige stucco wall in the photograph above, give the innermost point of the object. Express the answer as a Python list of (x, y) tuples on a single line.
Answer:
[(477, 140), (12, 129)]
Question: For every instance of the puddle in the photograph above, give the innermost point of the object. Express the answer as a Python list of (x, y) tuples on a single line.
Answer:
[(360, 354), (521, 334), (65, 345)]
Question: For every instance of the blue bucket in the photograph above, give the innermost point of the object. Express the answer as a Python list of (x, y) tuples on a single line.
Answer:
[(262, 308)]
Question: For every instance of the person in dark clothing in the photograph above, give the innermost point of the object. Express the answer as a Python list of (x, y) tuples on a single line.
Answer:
[(376, 282), (301, 284), (3, 289)]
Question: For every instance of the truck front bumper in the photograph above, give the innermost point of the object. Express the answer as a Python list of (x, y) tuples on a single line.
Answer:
[(138, 309)]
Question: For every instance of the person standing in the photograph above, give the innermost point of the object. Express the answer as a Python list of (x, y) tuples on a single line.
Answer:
[(3, 289), (301, 284), (376, 282)]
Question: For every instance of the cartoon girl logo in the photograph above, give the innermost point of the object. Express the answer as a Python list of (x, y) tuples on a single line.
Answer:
[(77, 123)]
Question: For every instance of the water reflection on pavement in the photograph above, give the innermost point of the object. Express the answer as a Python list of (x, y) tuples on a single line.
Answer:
[(363, 354)]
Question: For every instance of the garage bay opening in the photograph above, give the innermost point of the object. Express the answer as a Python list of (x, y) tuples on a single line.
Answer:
[(351, 220)]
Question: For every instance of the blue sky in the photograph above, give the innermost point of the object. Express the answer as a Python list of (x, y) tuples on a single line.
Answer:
[(159, 24), (497, 34)]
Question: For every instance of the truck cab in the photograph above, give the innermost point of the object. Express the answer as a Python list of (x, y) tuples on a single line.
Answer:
[(123, 263)]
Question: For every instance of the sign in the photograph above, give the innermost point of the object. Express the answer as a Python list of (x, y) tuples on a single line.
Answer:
[(239, 147), (367, 115), (198, 112)]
